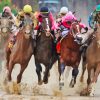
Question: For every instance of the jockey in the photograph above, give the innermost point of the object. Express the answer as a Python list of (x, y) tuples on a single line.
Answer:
[(63, 11), (94, 17), (7, 13), (66, 21), (27, 11), (44, 12)]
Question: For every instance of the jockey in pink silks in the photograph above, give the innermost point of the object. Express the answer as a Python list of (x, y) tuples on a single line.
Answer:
[(65, 23)]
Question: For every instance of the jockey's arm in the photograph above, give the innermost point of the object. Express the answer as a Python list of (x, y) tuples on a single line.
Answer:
[(19, 18)]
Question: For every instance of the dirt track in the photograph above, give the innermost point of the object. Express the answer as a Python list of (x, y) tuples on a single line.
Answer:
[(31, 91)]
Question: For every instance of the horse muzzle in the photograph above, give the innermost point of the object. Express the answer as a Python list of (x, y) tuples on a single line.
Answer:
[(27, 34), (48, 33), (78, 40), (27, 31)]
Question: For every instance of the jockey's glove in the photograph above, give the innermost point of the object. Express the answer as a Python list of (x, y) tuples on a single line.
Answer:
[(86, 29), (95, 29)]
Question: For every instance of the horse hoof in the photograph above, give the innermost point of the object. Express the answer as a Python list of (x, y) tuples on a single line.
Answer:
[(85, 92), (72, 83), (45, 82), (92, 94), (40, 82), (60, 88), (61, 84)]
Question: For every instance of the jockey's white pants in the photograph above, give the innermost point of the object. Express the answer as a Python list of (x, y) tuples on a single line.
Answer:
[(65, 32)]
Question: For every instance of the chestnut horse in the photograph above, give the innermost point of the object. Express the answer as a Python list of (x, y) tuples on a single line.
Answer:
[(21, 51), (45, 51), (69, 54), (93, 63)]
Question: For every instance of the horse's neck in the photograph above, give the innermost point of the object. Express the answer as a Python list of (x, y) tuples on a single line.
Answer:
[(21, 40), (70, 35)]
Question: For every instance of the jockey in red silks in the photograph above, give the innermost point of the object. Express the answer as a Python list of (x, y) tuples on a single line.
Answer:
[(65, 24), (44, 12)]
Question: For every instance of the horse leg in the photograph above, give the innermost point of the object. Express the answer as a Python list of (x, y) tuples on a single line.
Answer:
[(8, 52), (59, 69), (46, 74), (38, 71), (62, 68), (23, 67), (83, 71), (75, 72), (86, 91), (11, 65), (94, 80)]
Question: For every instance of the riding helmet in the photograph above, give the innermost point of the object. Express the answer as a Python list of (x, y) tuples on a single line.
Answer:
[(44, 10), (98, 8), (27, 9)]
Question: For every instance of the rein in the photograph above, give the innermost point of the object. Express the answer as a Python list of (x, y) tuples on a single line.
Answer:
[(72, 31), (47, 31)]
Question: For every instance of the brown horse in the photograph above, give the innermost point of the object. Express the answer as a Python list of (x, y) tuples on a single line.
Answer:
[(70, 54), (22, 50), (93, 63), (45, 51), (5, 33)]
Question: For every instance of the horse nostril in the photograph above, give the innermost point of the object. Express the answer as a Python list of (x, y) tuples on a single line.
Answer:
[(79, 38), (27, 31)]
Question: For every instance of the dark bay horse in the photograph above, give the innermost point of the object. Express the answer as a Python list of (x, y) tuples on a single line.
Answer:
[(70, 54), (45, 51), (5, 33), (93, 63), (22, 50)]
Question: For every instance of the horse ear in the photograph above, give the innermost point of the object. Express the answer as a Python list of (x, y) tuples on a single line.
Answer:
[(79, 20), (74, 12)]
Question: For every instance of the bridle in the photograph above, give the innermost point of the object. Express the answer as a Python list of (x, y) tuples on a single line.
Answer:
[(72, 30), (48, 29)]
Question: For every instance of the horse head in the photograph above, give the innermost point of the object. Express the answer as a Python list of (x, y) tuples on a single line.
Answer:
[(5, 26), (27, 27), (76, 31), (46, 26), (75, 28)]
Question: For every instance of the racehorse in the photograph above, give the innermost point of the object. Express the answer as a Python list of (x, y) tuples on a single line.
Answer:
[(21, 51), (69, 54), (5, 33), (93, 63), (45, 51)]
